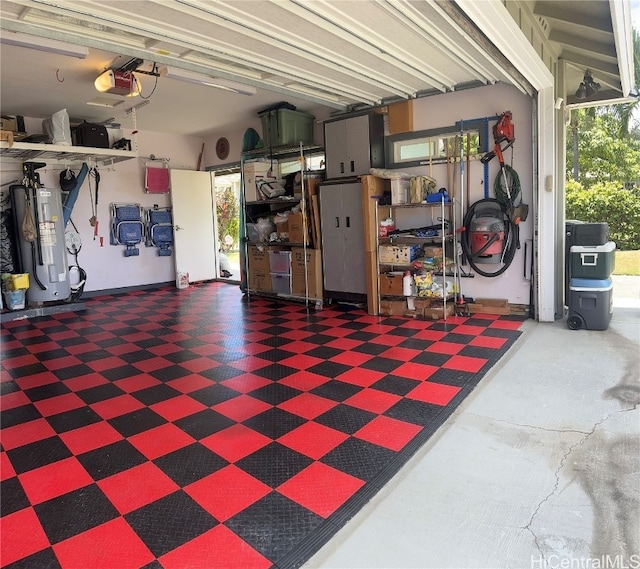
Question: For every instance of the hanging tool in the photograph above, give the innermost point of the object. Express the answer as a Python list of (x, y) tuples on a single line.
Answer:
[(93, 220), (468, 166), (446, 143), (31, 221), (70, 196), (503, 131)]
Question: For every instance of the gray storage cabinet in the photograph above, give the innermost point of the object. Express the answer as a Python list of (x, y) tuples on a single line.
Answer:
[(343, 255), (353, 145)]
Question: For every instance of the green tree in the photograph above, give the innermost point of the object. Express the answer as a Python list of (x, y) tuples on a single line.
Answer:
[(603, 154), (625, 111), (227, 212)]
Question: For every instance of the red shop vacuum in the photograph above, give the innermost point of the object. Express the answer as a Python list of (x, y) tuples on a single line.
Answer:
[(487, 236)]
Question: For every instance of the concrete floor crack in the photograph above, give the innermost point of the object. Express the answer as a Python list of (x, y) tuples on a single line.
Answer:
[(526, 426), (561, 466)]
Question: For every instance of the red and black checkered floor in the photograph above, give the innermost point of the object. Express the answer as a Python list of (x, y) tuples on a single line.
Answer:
[(200, 429)]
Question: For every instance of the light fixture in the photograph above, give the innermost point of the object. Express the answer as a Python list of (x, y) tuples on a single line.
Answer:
[(117, 82), (588, 88), (44, 44), (206, 80)]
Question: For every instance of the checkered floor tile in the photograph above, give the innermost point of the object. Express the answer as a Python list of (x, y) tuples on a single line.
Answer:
[(201, 428)]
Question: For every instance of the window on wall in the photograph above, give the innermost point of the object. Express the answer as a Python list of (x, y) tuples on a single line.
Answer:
[(432, 146)]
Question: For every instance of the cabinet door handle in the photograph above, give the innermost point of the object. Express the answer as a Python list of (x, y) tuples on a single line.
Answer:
[(348, 221), (353, 166), (337, 222), (342, 167)]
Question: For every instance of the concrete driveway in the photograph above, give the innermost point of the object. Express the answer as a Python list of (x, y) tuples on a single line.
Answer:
[(539, 467)]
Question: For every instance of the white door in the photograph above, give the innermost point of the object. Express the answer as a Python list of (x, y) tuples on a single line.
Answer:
[(193, 207)]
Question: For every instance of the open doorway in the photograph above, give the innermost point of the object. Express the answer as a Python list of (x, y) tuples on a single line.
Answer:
[(227, 189)]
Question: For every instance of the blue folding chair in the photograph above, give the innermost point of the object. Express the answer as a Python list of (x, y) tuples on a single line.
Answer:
[(159, 230), (126, 227)]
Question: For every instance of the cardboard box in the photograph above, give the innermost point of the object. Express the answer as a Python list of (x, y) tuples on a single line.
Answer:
[(259, 280), (8, 123), (399, 254), (401, 117), (393, 307), (251, 172), (282, 229), (258, 258), (296, 229), (314, 272), (7, 136), (391, 283), (489, 306), (436, 311)]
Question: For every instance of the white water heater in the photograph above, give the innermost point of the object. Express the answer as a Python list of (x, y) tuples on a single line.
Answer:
[(41, 247)]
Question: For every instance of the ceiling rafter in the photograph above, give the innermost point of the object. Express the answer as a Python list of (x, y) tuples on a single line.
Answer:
[(573, 17), (437, 39), (379, 44), (583, 44), (187, 41), (285, 41)]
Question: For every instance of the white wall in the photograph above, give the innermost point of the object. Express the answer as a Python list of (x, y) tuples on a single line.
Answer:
[(106, 266), (447, 109), (443, 111), (235, 138)]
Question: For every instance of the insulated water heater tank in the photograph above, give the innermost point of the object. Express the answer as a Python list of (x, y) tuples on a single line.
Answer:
[(45, 256)]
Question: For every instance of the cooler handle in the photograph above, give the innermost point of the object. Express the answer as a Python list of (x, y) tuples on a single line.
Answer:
[(589, 259)]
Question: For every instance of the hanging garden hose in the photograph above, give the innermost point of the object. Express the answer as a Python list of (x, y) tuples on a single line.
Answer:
[(510, 238), (506, 184)]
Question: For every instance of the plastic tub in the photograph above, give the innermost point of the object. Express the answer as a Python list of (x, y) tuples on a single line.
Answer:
[(14, 299), (280, 262)]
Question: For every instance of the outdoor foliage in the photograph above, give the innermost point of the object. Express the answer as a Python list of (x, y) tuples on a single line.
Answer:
[(604, 154), (608, 202), (228, 225)]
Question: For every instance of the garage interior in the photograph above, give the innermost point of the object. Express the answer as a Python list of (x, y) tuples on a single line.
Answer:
[(140, 413)]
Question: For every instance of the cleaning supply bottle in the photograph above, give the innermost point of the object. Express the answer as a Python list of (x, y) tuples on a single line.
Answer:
[(407, 282)]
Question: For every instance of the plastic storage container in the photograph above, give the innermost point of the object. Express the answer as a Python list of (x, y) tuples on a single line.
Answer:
[(284, 126), (17, 282), (280, 262), (590, 304), (15, 299), (593, 261), (280, 283)]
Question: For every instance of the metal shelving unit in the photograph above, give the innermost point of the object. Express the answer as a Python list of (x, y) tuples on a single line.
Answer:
[(253, 209), (447, 215), (25, 151)]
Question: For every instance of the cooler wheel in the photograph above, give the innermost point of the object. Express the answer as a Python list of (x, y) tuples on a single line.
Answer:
[(575, 322)]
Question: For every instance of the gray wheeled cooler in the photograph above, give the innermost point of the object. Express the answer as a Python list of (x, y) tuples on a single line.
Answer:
[(590, 304)]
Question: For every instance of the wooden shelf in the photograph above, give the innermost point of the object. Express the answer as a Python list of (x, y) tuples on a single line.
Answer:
[(25, 151)]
